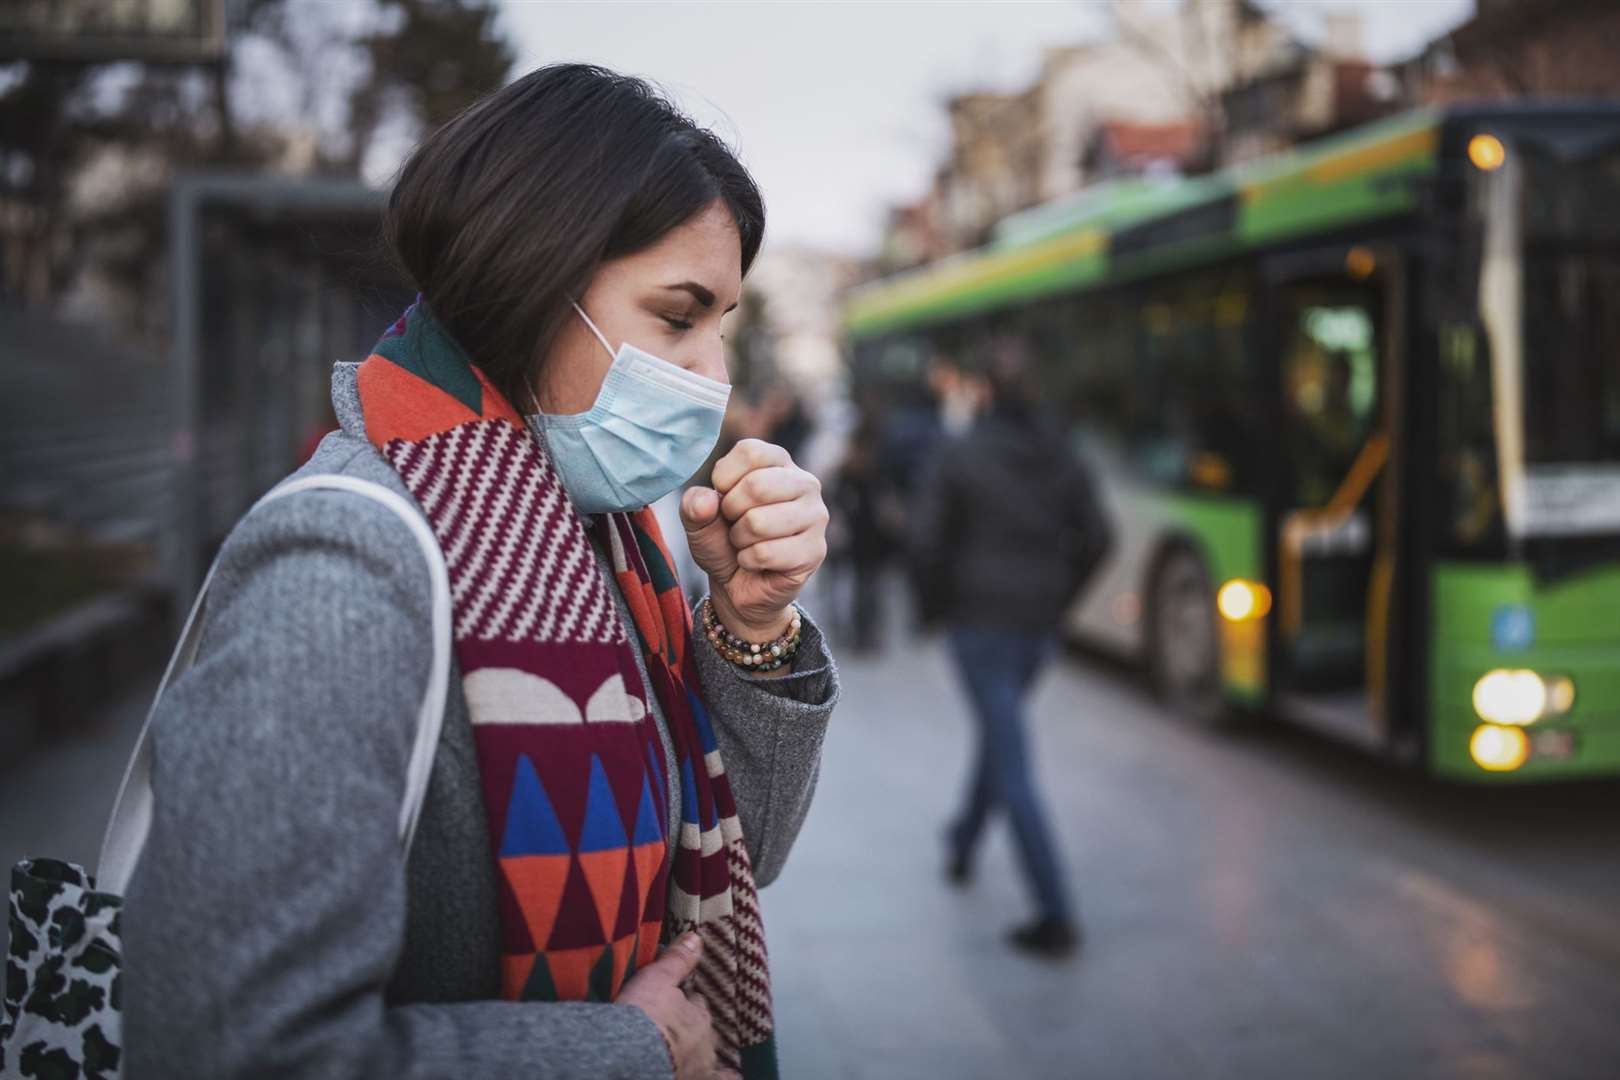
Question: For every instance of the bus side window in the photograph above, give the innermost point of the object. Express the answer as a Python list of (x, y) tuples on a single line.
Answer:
[(1194, 389), (1092, 391)]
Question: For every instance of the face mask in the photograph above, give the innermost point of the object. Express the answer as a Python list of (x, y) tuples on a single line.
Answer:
[(652, 427)]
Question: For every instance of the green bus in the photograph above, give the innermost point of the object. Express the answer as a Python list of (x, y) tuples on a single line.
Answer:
[(1356, 413)]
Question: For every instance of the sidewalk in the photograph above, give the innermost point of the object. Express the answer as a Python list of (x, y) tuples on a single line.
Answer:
[(1260, 905)]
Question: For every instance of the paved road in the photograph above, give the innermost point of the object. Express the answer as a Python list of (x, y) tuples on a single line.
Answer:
[(1258, 906)]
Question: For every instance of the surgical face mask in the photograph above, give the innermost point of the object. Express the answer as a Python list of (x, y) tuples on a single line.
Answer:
[(652, 427)]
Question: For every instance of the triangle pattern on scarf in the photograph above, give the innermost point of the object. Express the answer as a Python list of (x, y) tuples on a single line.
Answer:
[(539, 986), (605, 870), (649, 862), (604, 827), (532, 827), (571, 971), (649, 822), (537, 881), (602, 980), (629, 914), (578, 923), (515, 937), (515, 969), (624, 959)]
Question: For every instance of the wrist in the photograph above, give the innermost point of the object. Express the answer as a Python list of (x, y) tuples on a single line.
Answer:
[(769, 657), (663, 1033), (766, 628)]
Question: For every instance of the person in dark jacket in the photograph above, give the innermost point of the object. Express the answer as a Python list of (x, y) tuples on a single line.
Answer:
[(863, 500), (1006, 531)]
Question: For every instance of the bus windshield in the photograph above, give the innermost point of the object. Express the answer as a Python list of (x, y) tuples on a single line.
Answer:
[(1546, 278), (1571, 317)]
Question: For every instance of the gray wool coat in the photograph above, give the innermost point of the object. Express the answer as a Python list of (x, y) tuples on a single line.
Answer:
[(274, 926)]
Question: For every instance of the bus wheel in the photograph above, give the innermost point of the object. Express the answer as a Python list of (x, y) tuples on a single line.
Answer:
[(1184, 653)]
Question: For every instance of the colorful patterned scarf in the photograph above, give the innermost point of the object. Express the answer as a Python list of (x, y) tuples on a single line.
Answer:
[(570, 759)]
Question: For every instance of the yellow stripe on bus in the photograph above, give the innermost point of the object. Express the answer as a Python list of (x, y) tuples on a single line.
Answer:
[(983, 270), (1379, 156)]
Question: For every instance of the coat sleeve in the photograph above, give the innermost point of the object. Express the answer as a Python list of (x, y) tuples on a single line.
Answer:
[(770, 733), (267, 911)]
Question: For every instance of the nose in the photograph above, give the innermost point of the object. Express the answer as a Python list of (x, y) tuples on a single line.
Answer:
[(710, 361)]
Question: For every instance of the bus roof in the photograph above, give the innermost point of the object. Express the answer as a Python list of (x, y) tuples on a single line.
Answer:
[(1137, 226)]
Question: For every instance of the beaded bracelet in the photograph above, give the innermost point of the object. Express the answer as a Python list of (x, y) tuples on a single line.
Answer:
[(748, 655)]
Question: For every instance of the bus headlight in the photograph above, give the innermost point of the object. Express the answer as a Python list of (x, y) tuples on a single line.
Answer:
[(1499, 749), (1507, 696), (1239, 600)]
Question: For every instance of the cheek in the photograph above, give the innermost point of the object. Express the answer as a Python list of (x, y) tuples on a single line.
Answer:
[(572, 374)]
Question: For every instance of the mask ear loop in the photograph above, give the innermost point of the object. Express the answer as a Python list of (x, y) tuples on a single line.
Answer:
[(611, 354)]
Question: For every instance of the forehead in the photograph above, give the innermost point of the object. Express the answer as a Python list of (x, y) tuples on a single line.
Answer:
[(706, 249)]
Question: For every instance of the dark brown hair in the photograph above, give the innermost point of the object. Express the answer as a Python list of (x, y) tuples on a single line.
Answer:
[(502, 215)]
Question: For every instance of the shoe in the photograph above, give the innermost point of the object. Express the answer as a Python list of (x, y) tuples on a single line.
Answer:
[(1047, 938)]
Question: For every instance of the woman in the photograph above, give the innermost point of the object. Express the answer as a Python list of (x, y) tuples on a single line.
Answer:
[(608, 781)]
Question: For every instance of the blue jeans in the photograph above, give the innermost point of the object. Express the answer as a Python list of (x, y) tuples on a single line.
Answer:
[(997, 668)]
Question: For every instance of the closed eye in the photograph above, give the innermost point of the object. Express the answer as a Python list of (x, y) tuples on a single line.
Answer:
[(678, 324)]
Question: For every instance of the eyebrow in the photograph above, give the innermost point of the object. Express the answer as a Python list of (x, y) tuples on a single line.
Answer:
[(699, 293)]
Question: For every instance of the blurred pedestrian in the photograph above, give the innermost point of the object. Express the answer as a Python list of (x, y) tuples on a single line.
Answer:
[(1005, 534), (787, 424), (866, 514), (576, 242)]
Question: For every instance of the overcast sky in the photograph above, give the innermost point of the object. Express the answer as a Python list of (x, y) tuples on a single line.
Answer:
[(836, 107)]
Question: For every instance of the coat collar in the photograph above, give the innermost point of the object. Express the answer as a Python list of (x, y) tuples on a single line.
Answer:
[(346, 399)]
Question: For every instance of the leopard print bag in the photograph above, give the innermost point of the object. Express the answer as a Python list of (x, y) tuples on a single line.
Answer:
[(61, 999), (61, 1017)]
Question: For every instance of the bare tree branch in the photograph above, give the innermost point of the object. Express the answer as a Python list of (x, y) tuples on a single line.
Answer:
[(1169, 65)]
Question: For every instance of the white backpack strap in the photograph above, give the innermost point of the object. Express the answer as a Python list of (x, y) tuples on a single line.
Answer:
[(132, 813)]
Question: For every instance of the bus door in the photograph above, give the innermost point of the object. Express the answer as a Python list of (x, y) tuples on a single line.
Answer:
[(1334, 542)]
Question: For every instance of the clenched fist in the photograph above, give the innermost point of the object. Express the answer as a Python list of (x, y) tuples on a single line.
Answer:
[(759, 533)]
